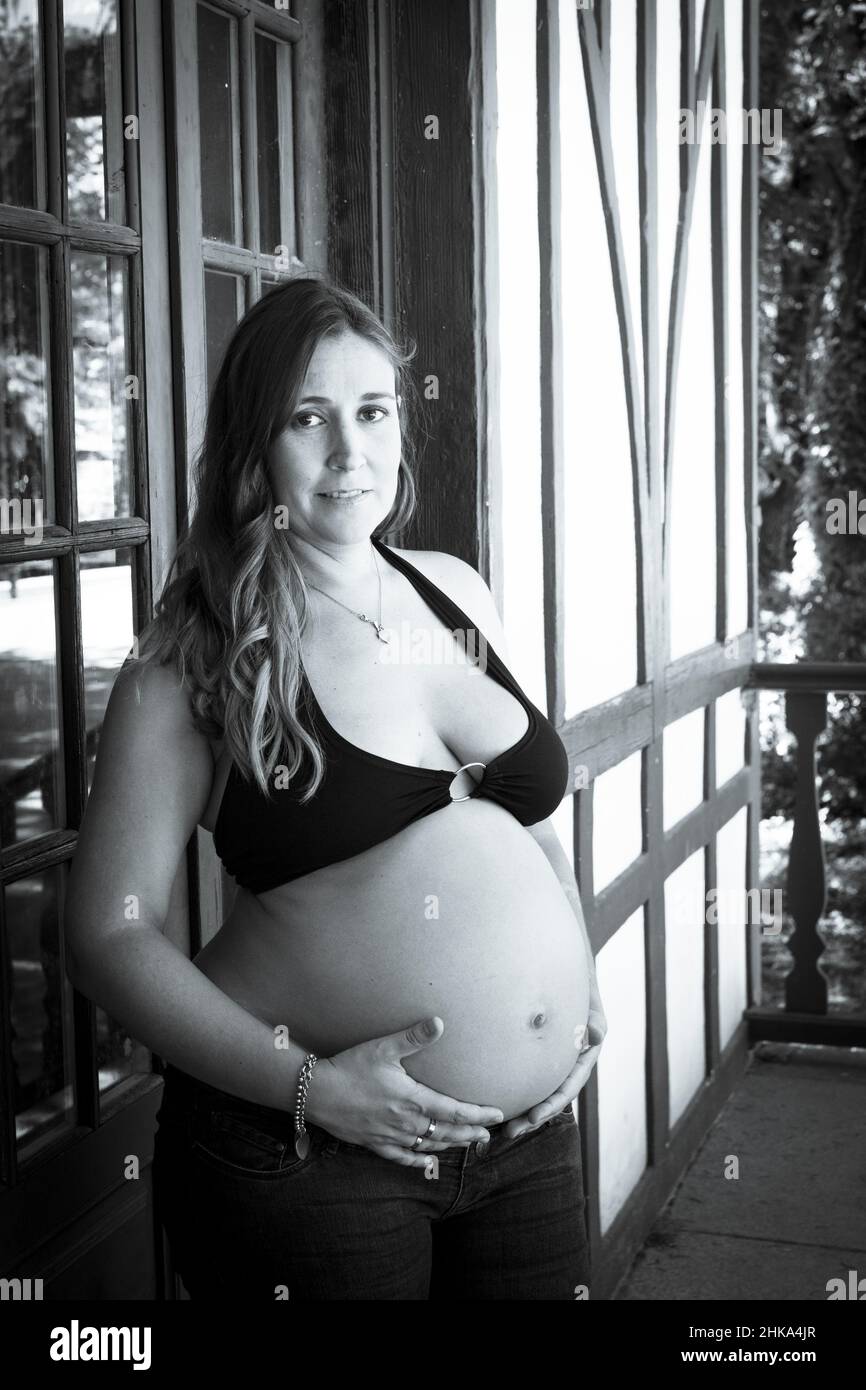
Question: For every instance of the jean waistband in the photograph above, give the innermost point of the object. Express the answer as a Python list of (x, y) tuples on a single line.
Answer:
[(189, 1092)]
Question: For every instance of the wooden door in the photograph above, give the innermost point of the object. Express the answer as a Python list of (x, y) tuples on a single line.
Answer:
[(162, 165), (85, 391)]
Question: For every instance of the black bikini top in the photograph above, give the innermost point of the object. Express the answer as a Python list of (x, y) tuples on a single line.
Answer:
[(364, 799)]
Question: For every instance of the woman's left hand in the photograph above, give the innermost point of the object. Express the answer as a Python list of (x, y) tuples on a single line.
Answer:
[(590, 1045)]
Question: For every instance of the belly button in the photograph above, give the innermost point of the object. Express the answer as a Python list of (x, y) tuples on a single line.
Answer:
[(538, 1020)]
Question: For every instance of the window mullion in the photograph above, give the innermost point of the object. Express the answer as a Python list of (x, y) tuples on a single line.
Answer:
[(130, 108), (73, 726), (134, 368), (285, 125), (62, 387), (70, 646), (248, 134), (8, 1147), (55, 108)]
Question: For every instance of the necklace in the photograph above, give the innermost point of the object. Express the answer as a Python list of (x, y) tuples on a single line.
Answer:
[(363, 616)]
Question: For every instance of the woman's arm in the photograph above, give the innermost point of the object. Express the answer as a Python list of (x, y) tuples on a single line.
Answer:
[(151, 785)]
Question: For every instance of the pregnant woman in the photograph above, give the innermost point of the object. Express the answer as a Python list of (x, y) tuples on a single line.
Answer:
[(370, 1069)]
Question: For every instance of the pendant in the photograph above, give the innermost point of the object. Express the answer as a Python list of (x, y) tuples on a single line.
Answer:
[(380, 627), (302, 1143)]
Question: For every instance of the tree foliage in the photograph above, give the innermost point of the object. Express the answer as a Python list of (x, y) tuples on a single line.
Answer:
[(813, 363)]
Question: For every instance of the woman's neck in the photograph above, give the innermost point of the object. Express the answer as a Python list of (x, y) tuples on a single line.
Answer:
[(337, 565)]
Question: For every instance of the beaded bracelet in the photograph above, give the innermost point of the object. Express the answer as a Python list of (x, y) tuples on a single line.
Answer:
[(302, 1138)]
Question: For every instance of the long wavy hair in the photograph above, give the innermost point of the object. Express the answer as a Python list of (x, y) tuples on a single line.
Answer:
[(235, 603)]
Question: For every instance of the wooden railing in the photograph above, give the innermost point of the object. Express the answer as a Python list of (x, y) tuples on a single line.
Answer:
[(805, 1017)]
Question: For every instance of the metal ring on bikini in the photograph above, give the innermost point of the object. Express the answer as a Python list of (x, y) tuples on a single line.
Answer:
[(457, 773)]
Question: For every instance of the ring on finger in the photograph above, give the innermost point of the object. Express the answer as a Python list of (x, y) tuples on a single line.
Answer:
[(428, 1133)]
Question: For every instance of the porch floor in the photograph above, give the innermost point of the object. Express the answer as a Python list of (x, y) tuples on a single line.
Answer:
[(796, 1215)]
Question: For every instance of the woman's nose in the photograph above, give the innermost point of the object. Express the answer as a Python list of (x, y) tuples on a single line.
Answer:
[(346, 446)]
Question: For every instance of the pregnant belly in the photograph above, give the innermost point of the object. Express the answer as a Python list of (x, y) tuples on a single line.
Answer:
[(460, 915)]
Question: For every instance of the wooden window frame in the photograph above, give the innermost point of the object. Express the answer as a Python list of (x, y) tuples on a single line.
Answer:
[(67, 538)]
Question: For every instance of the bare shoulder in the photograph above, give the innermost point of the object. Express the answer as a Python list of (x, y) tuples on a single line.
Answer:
[(150, 692), (151, 784), (159, 687), (461, 582), (149, 726)]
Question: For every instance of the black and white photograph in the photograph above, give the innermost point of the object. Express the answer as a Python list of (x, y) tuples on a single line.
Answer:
[(432, 671)]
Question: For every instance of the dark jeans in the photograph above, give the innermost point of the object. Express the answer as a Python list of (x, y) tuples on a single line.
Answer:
[(247, 1219)]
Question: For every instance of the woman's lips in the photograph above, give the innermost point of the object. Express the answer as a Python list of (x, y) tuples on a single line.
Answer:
[(345, 498)]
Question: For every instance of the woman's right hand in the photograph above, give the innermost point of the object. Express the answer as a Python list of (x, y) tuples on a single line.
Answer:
[(366, 1097)]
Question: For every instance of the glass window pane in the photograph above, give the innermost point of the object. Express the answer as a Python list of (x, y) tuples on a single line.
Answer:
[(40, 1007), (222, 309), (22, 164), (94, 111), (218, 126), (274, 142), (118, 1056), (32, 785), (107, 634), (100, 329), (25, 439)]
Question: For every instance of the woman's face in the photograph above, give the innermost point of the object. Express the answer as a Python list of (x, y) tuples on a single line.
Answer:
[(335, 466)]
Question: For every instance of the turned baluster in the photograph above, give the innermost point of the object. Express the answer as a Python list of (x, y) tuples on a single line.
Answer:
[(806, 986)]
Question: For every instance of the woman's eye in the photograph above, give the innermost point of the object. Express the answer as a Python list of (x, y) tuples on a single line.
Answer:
[(308, 419)]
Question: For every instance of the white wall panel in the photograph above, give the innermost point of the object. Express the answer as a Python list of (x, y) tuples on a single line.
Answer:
[(730, 736), (685, 915), (600, 565), (731, 876), (668, 172), (617, 822), (683, 766), (693, 460), (624, 137), (737, 577), (622, 1067), (519, 353)]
